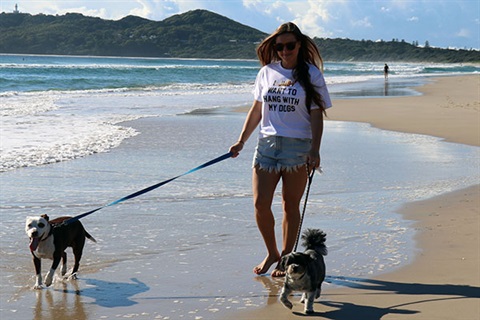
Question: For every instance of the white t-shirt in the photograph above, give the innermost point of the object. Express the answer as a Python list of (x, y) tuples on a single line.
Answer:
[(284, 112)]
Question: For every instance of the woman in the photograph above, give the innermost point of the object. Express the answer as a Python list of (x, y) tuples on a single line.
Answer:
[(290, 101)]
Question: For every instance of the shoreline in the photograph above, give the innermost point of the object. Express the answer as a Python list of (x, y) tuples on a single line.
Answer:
[(443, 281), (195, 262), (451, 112)]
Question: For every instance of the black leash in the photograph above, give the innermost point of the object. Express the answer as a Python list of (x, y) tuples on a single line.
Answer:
[(310, 179), (155, 186)]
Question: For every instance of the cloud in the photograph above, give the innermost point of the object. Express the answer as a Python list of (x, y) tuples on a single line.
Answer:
[(87, 8), (402, 4), (354, 19), (311, 16), (463, 33), (161, 9), (145, 9), (363, 23)]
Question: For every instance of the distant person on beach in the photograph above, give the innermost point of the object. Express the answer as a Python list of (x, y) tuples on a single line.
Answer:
[(385, 71), (290, 99)]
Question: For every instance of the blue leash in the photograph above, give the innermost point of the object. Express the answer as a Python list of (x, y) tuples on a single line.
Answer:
[(148, 189)]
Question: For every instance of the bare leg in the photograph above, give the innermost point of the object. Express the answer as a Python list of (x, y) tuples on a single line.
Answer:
[(293, 187), (264, 184)]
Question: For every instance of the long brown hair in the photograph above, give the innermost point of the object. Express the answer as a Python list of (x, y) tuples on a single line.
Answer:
[(308, 53)]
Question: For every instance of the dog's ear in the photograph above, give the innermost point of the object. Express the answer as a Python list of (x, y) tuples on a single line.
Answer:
[(44, 216)]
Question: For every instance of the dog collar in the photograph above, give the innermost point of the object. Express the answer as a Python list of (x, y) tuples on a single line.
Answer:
[(303, 275), (49, 234)]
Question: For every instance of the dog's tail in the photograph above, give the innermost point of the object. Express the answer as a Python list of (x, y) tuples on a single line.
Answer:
[(89, 236), (314, 239)]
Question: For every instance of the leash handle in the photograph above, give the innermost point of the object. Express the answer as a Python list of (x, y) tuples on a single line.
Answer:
[(310, 179)]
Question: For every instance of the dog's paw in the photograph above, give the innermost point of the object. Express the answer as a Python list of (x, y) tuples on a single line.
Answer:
[(49, 279), (286, 303), (309, 306), (73, 276)]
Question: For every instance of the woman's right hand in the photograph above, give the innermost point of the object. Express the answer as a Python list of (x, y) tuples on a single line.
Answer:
[(236, 148), (251, 122)]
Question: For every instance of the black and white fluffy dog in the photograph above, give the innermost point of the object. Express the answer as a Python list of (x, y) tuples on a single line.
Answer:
[(305, 271), (49, 239)]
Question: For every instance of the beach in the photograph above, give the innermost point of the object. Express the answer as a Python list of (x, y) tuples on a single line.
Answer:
[(443, 282), (396, 201)]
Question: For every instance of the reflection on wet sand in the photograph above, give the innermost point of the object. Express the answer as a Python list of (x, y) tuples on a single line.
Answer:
[(67, 300)]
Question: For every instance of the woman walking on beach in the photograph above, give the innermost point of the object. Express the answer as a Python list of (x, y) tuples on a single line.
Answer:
[(290, 99)]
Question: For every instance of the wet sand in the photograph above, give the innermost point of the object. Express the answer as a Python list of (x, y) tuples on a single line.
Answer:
[(442, 283), (444, 280)]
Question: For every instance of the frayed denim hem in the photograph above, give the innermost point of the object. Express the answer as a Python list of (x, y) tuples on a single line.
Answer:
[(277, 168), (278, 154)]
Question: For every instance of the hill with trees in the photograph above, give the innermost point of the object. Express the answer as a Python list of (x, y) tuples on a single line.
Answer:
[(194, 34)]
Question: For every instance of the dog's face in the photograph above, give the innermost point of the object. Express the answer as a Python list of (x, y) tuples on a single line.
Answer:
[(37, 228), (295, 264)]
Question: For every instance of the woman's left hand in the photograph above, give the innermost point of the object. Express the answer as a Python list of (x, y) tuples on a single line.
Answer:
[(313, 159)]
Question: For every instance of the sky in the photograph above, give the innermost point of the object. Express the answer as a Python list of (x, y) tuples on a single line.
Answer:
[(443, 23)]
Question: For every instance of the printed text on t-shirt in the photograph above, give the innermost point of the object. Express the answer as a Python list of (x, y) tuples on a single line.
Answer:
[(279, 99)]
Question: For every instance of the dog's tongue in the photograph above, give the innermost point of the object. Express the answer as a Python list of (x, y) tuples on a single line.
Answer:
[(34, 243)]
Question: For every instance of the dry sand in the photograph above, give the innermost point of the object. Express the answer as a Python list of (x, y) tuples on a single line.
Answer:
[(444, 280)]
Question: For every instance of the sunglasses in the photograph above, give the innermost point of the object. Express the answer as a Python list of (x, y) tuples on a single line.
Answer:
[(289, 45)]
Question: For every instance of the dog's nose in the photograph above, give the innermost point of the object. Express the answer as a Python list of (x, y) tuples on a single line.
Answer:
[(35, 234)]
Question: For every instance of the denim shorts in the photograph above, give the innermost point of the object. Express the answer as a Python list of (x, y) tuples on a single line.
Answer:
[(275, 154)]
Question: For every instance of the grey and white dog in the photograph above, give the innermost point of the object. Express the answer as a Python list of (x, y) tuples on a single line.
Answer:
[(305, 271)]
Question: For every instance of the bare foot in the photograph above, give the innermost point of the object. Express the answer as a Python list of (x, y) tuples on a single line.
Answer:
[(265, 265), (278, 273)]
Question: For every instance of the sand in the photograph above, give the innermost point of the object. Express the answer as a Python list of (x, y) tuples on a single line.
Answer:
[(443, 282), (449, 108)]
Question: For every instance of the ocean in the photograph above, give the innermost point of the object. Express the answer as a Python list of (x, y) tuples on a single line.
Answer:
[(75, 89), (79, 132)]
